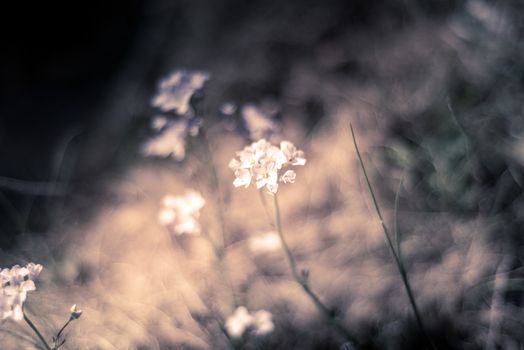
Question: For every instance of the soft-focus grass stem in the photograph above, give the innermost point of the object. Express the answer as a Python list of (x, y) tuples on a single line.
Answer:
[(302, 279), (37, 332), (395, 253)]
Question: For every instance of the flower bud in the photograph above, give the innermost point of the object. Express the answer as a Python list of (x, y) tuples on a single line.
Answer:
[(75, 313)]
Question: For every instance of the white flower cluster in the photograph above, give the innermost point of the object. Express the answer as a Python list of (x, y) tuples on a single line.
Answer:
[(15, 283), (181, 213), (260, 322), (261, 163), (176, 90), (171, 141)]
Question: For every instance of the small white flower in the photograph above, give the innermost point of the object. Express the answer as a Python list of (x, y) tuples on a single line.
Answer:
[(171, 142), (261, 162), (293, 156), (263, 322), (260, 323), (15, 283), (289, 177), (265, 243), (181, 213), (239, 322), (176, 90)]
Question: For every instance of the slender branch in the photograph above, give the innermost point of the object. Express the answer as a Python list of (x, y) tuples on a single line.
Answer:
[(398, 262), (57, 338), (33, 327), (302, 280)]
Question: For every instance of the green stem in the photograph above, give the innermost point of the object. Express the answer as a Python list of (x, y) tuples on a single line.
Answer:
[(33, 327), (303, 281), (398, 262), (57, 338)]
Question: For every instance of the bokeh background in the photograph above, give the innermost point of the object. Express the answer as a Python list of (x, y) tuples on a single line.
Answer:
[(434, 90)]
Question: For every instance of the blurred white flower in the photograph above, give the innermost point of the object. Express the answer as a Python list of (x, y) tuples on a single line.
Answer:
[(171, 140), (258, 124), (263, 322), (15, 283), (159, 122), (176, 90), (181, 213), (260, 322), (228, 108), (239, 322), (265, 243), (261, 162), (289, 177)]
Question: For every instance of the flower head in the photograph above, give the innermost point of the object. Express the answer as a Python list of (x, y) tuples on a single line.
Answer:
[(175, 91), (181, 213), (261, 162), (15, 283), (260, 322)]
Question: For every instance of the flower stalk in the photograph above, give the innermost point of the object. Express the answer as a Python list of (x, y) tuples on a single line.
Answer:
[(396, 254), (303, 280), (37, 332)]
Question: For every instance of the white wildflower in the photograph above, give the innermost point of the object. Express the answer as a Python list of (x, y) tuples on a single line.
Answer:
[(176, 90), (181, 213), (15, 283), (239, 322), (258, 123), (171, 142), (261, 162), (265, 243), (289, 177), (263, 322), (260, 322)]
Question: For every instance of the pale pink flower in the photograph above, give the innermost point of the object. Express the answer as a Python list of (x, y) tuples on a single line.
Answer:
[(261, 162), (176, 90), (15, 283)]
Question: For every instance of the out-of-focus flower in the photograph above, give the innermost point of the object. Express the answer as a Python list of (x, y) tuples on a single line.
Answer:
[(260, 322), (15, 283), (258, 123), (159, 122), (75, 312), (263, 322), (181, 213), (228, 108), (261, 162), (237, 323), (265, 243), (175, 91), (172, 138)]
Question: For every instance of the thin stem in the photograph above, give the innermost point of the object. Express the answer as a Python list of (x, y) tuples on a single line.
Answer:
[(302, 280), (57, 338), (398, 262), (395, 211), (33, 327)]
